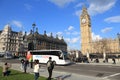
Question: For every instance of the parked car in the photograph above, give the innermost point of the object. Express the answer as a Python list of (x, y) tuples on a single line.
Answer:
[(1, 54), (8, 55)]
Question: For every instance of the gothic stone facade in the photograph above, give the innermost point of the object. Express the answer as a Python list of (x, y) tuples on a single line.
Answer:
[(11, 41), (37, 41), (90, 46)]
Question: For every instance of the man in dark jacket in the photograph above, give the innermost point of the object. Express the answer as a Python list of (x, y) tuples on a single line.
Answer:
[(26, 63), (50, 66)]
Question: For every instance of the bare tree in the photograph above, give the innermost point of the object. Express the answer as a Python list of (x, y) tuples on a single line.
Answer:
[(101, 46)]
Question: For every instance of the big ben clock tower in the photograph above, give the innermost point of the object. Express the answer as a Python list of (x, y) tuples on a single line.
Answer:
[(85, 26)]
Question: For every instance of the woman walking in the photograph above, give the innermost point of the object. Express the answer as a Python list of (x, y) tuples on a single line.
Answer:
[(36, 70)]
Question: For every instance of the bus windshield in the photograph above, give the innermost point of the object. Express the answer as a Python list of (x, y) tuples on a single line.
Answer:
[(65, 55)]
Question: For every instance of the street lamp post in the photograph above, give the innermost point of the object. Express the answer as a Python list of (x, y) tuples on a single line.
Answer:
[(33, 25)]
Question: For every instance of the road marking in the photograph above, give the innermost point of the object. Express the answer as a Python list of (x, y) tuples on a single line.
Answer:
[(111, 75)]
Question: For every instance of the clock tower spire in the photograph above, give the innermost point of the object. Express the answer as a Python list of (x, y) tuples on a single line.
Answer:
[(85, 28)]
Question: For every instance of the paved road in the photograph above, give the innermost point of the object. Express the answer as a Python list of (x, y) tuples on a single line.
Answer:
[(83, 71), (56, 74), (103, 71)]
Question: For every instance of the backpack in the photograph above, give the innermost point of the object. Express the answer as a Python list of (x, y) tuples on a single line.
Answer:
[(50, 65)]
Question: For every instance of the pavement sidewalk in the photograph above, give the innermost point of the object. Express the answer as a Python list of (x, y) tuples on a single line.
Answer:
[(105, 64), (56, 74)]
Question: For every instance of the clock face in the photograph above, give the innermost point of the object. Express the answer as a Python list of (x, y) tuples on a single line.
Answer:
[(83, 20)]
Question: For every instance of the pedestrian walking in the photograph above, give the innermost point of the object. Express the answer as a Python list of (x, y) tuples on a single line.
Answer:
[(36, 69), (22, 64), (6, 71), (26, 63), (106, 59), (113, 59), (50, 67), (31, 63)]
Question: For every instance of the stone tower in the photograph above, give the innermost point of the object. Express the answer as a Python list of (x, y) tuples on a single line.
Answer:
[(85, 26)]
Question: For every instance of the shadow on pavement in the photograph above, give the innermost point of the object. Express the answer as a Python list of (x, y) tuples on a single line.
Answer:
[(62, 77)]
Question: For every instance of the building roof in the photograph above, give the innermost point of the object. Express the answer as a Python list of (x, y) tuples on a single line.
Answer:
[(46, 38)]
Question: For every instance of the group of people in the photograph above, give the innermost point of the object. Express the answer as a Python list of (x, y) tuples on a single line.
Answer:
[(25, 63), (50, 67)]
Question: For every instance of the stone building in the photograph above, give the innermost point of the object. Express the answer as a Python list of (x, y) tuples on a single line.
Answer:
[(38, 41), (105, 46), (11, 41), (17, 43), (98, 46), (75, 53), (85, 27)]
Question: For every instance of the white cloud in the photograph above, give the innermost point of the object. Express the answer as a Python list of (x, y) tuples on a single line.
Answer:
[(79, 5), (73, 43), (67, 40), (100, 6), (106, 29), (115, 19), (70, 28), (28, 6), (97, 6), (96, 37), (61, 3), (71, 31), (78, 13), (59, 33), (72, 40), (76, 33), (49, 34), (17, 23), (68, 33)]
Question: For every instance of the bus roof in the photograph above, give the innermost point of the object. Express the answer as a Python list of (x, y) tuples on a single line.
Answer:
[(43, 50)]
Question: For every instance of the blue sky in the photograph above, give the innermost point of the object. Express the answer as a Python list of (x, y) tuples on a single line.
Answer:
[(62, 17)]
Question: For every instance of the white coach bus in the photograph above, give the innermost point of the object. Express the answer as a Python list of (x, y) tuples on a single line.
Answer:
[(60, 57)]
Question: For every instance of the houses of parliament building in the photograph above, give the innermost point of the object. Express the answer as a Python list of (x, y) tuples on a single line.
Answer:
[(19, 43), (97, 46)]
